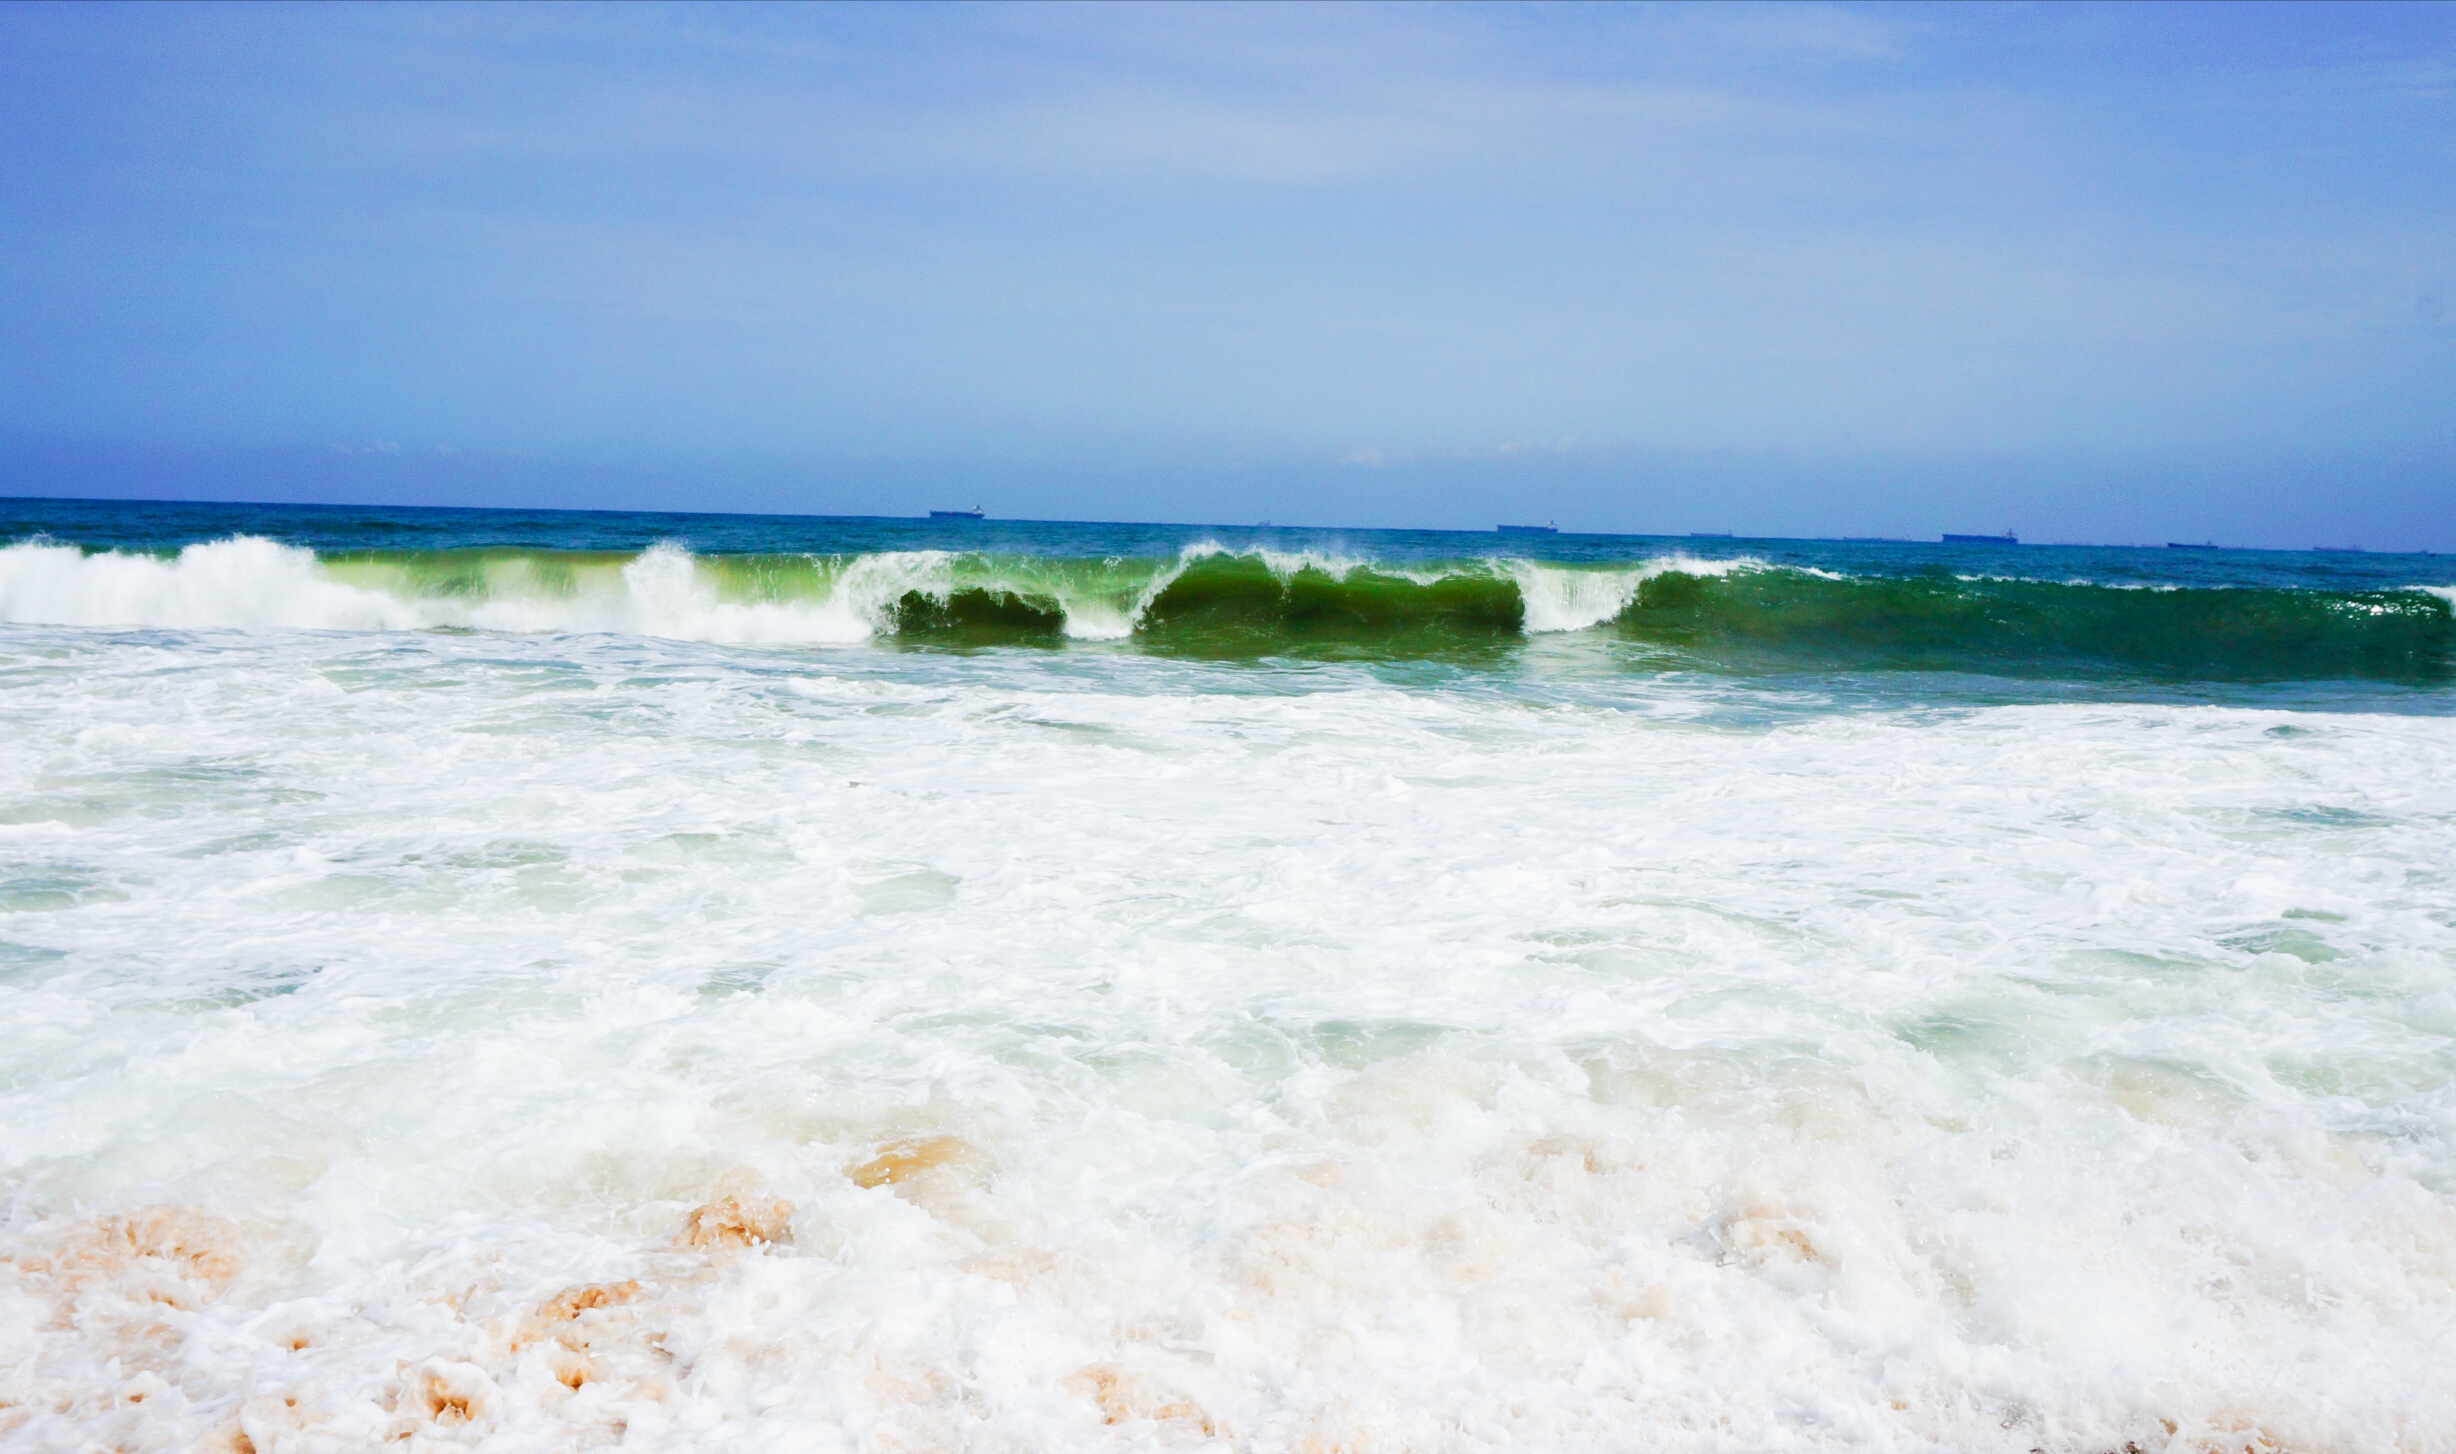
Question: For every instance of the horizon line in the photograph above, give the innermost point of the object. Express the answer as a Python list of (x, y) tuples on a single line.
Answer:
[(2006, 542)]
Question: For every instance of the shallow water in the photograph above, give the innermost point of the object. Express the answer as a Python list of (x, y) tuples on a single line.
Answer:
[(548, 1039)]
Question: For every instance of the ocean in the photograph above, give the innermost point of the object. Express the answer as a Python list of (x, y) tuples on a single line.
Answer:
[(503, 980)]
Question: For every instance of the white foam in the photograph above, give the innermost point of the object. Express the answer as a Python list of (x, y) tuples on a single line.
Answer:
[(1575, 598), (666, 595), (1566, 599), (1152, 1059), (239, 582), (1285, 564), (250, 582), (1097, 620)]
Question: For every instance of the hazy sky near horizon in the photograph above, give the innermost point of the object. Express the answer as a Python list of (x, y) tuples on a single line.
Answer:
[(2088, 270)]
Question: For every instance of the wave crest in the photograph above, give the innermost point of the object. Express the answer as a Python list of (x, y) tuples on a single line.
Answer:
[(243, 581), (1210, 600)]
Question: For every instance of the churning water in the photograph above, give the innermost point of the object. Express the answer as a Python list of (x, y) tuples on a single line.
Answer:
[(531, 982)]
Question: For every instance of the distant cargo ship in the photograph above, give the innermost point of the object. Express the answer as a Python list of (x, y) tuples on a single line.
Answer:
[(2007, 538), (972, 514), (2191, 545), (1547, 528), (1709, 535)]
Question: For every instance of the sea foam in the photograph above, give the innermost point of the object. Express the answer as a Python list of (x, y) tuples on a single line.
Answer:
[(252, 582), (239, 582), (535, 1041)]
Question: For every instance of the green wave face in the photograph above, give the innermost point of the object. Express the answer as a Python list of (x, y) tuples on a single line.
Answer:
[(2029, 628), (1240, 606), (976, 616), (482, 575)]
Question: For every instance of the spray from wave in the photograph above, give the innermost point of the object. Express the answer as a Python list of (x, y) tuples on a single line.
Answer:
[(240, 582)]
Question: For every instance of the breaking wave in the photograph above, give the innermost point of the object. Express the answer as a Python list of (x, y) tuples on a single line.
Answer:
[(1213, 602)]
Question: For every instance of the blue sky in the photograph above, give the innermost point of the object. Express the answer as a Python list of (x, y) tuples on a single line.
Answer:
[(2093, 272)]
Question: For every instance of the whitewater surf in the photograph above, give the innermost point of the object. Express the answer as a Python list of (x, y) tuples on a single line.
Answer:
[(537, 982)]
